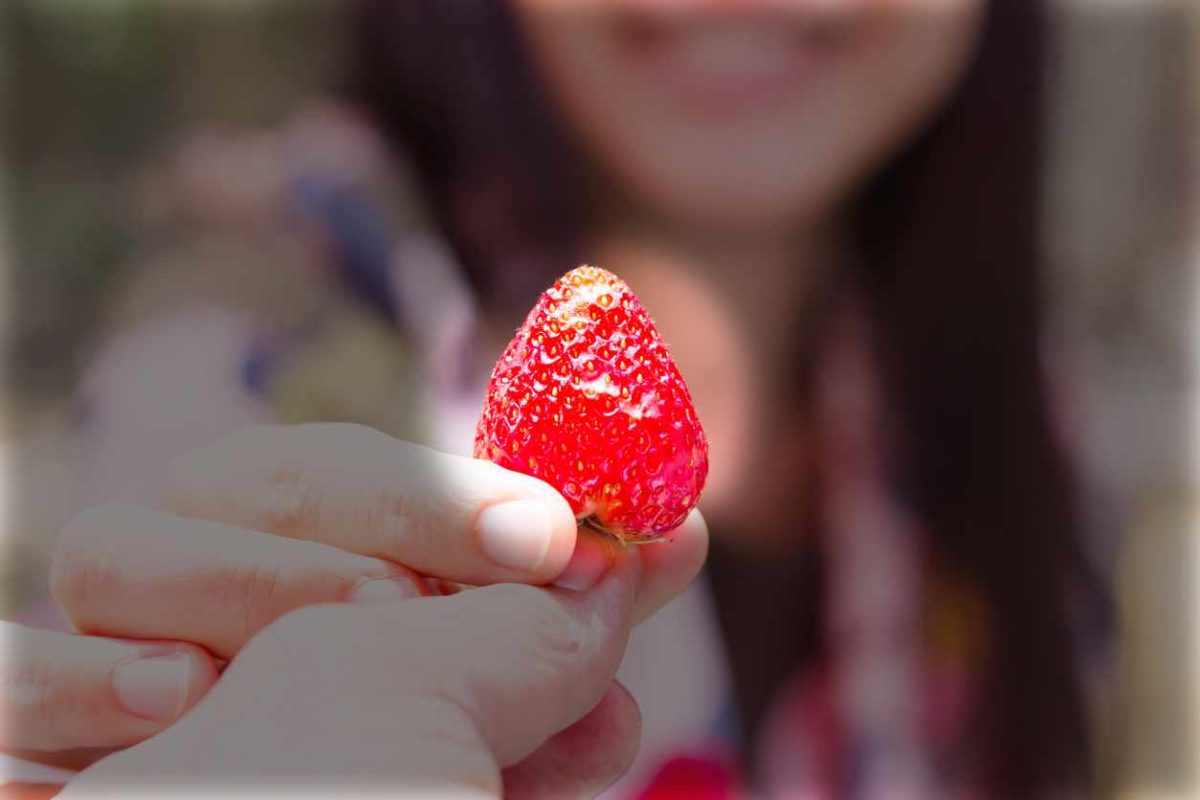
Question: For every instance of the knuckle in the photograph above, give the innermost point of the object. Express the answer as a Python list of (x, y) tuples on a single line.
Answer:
[(35, 695), (288, 493), (31, 690), (192, 476), (290, 499), (251, 435), (389, 514), (79, 569), (264, 591), (374, 486), (549, 631), (296, 478), (198, 461), (557, 637), (350, 435), (257, 590)]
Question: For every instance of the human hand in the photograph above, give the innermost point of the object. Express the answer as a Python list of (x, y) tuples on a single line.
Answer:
[(499, 691), (263, 522)]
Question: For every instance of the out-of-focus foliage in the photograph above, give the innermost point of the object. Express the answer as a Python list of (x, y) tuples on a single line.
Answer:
[(97, 89)]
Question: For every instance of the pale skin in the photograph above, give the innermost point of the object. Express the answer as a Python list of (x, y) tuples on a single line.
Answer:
[(727, 140), (259, 548), (295, 553)]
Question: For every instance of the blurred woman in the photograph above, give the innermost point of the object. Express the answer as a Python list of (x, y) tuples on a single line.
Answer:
[(832, 212)]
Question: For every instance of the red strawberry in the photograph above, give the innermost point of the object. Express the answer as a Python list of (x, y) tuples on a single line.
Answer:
[(587, 398)]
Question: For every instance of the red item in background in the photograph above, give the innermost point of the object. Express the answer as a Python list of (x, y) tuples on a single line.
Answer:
[(692, 778)]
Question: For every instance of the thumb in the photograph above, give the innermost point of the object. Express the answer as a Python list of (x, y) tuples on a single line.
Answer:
[(525, 662), (426, 694), (64, 691)]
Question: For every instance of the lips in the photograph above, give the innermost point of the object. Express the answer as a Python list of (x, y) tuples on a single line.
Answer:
[(717, 67)]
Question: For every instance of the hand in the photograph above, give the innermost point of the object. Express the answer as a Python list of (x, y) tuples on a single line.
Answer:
[(264, 522), (505, 690)]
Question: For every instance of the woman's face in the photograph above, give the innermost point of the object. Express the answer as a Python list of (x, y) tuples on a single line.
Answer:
[(747, 115)]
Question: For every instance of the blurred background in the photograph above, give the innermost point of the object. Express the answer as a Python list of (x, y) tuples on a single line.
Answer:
[(142, 173)]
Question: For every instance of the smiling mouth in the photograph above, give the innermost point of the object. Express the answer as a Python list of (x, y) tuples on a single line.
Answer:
[(717, 68)]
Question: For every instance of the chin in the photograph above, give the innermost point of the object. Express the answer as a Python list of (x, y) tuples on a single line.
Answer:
[(767, 206)]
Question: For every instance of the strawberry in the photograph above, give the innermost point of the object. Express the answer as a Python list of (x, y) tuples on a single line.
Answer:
[(587, 398)]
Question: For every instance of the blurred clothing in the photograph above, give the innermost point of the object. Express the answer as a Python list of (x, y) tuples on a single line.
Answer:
[(884, 714)]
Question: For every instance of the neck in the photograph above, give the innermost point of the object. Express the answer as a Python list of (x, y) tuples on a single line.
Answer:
[(730, 306), (760, 276)]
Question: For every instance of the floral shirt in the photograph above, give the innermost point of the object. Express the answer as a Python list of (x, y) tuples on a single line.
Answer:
[(883, 718)]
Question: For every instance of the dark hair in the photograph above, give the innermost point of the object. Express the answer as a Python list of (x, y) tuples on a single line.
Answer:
[(950, 262), (449, 84), (953, 265)]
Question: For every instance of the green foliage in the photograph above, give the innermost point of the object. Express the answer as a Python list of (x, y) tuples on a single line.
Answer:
[(97, 89)]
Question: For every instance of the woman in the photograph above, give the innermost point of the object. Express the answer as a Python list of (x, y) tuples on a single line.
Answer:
[(898, 168), (833, 213)]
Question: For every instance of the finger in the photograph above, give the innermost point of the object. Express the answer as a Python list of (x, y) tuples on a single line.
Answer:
[(63, 691), (586, 758), (521, 663), (667, 566), (29, 791), (438, 693), (360, 490), (131, 572), (527, 663)]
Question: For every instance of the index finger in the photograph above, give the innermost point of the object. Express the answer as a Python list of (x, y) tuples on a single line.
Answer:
[(360, 490)]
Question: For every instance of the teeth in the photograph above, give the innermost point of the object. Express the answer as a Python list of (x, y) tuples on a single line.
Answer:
[(737, 52)]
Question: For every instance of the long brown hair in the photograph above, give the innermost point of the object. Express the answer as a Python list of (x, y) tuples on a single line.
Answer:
[(951, 263)]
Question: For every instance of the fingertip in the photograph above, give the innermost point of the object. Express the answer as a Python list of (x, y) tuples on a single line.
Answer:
[(627, 713), (562, 525), (694, 535), (535, 556), (669, 566), (694, 525), (564, 533), (585, 758), (683, 550), (525, 537), (593, 555), (161, 685), (204, 674)]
